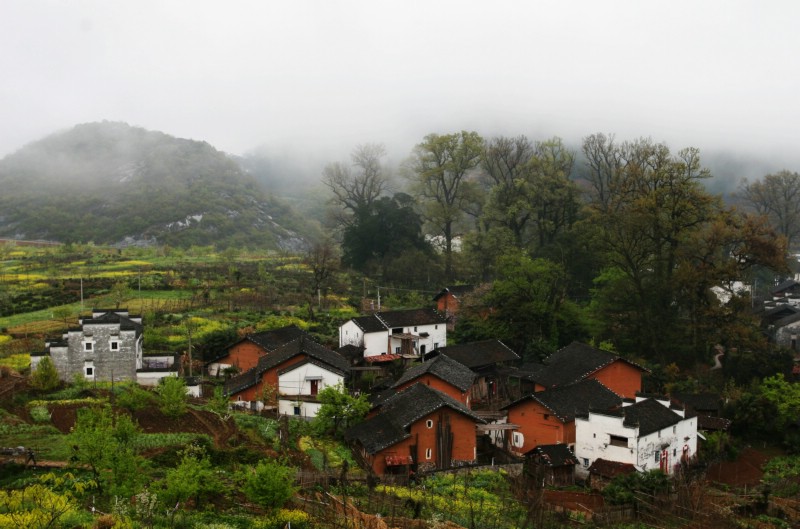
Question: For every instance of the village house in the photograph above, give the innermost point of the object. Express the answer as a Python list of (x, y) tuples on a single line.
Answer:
[(291, 376), (550, 465), (448, 302), (603, 472), (406, 333), (787, 292), (245, 353), (441, 373), (548, 417), (579, 361), (417, 429), (490, 360), (106, 346), (648, 435)]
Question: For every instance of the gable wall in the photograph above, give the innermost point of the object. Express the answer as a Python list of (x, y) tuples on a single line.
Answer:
[(621, 378), (252, 394), (437, 383), (535, 429), (244, 355)]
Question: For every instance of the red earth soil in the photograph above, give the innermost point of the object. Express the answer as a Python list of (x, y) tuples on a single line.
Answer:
[(746, 470)]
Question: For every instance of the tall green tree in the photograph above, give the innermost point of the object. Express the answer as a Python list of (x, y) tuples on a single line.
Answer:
[(526, 307), (442, 165), (384, 231), (668, 242)]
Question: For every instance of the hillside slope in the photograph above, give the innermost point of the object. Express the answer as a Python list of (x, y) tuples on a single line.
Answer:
[(113, 184)]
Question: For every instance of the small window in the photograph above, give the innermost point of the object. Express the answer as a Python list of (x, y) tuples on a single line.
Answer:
[(594, 435), (297, 410), (618, 440), (397, 350), (87, 346), (415, 329), (435, 345), (429, 423), (436, 327), (658, 456), (673, 429), (517, 439), (428, 453), (115, 346), (89, 371), (546, 416), (674, 452), (585, 461)]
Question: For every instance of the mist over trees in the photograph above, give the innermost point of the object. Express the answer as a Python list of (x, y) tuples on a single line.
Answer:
[(619, 241)]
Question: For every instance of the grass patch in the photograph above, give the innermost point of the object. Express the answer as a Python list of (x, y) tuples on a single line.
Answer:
[(47, 442), (152, 441)]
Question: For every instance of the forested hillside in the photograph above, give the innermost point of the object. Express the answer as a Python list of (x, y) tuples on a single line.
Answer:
[(112, 183)]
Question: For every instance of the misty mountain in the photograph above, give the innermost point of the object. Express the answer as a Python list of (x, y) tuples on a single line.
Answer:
[(113, 183)]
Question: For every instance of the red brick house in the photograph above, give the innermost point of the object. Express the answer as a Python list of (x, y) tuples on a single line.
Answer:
[(245, 353), (579, 361), (548, 417), (297, 371), (448, 301), (417, 429), (442, 373)]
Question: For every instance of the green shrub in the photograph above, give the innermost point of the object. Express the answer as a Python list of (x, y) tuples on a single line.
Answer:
[(133, 398), (40, 414), (270, 484), (284, 518)]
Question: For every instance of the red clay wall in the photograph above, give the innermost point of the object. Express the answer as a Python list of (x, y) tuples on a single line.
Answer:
[(621, 378), (269, 377), (245, 355), (464, 440), (437, 383), (536, 430)]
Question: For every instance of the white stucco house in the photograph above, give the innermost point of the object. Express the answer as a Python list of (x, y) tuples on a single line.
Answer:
[(411, 332), (647, 434)]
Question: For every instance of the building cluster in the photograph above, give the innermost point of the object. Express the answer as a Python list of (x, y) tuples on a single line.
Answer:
[(580, 413)]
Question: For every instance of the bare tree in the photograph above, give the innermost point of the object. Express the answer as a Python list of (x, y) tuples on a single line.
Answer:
[(777, 197), (356, 186)]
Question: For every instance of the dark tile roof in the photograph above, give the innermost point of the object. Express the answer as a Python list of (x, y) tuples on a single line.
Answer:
[(573, 363), (331, 359), (479, 354), (125, 323), (272, 339), (699, 401), (369, 323), (707, 422), (558, 455), (267, 340), (410, 318), (783, 322), (456, 290), (444, 368), (785, 285), (377, 433), (575, 399), (398, 413), (610, 469), (650, 416)]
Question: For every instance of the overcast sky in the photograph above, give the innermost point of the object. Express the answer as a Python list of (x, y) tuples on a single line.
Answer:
[(327, 75)]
